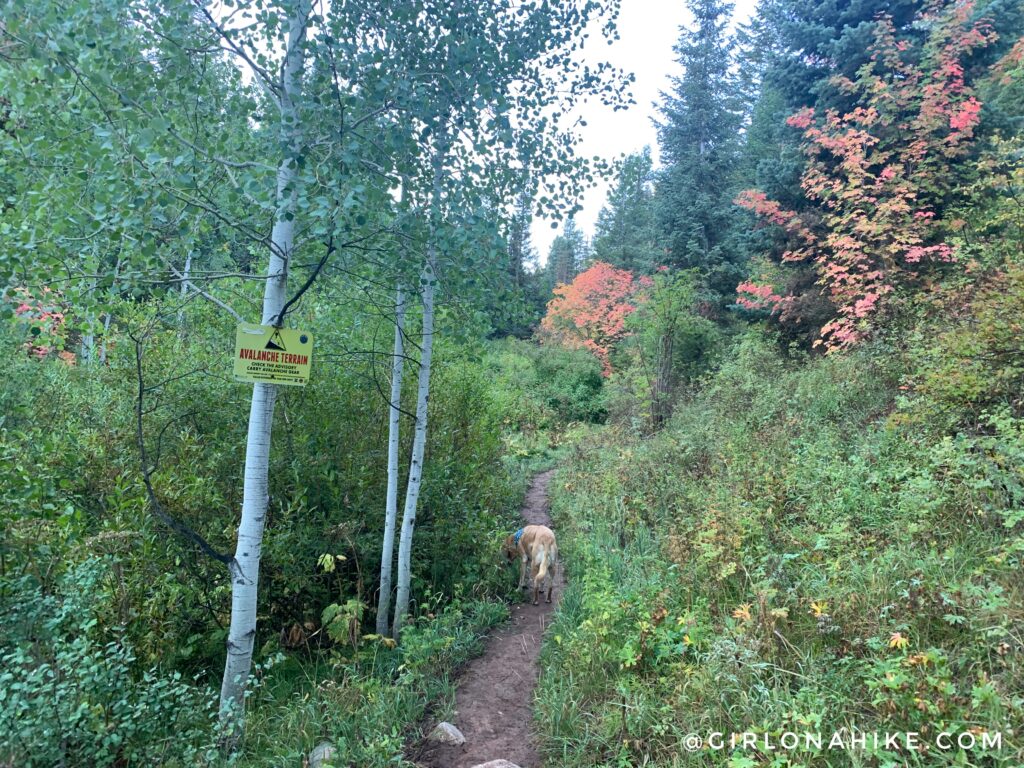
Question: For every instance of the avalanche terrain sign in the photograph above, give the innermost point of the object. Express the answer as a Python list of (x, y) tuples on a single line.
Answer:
[(272, 355)]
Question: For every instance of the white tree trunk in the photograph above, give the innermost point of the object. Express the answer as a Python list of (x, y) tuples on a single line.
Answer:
[(87, 350), (245, 567), (391, 506), (186, 273), (88, 347), (108, 317), (412, 491)]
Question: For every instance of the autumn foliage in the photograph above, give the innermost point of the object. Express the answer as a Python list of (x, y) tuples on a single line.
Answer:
[(45, 317), (590, 312), (878, 174)]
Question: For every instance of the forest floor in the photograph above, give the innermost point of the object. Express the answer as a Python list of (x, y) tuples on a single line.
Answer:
[(494, 698)]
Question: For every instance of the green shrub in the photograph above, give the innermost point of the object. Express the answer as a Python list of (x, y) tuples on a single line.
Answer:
[(970, 358), (71, 692), (71, 494), (546, 386)]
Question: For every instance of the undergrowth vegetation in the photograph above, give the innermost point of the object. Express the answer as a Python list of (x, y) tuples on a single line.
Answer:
[(812, 544), (114, 626)]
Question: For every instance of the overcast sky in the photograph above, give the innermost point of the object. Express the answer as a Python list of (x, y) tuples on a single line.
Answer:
[(648, 29)]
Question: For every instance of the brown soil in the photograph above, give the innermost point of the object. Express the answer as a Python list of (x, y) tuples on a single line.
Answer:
[(494, 700)]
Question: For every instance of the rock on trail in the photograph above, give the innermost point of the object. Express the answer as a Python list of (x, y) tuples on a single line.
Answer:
[(446, 733)]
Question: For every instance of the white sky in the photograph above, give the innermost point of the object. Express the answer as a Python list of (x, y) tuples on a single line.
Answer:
[(648, 29)]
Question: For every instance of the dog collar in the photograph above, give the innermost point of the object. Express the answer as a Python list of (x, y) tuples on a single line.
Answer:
[(518, 535)]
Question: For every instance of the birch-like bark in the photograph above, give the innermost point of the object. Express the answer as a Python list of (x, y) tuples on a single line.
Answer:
[(186, 273), (412, 491), (391, 505), (245, 567), (87, 350)]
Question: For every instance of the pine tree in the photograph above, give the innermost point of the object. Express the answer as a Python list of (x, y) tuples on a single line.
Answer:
[(520, 249), (815, 41), (567, 254), (625, 234), (517, 294), (699, 143)]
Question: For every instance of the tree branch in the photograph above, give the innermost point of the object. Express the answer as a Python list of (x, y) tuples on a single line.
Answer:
[(208, 296), (268, 82), (306, 286)]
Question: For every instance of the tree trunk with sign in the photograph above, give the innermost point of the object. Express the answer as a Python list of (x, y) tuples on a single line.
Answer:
[(245, 567)]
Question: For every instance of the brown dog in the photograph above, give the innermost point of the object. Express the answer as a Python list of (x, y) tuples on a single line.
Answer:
[(536, 544)]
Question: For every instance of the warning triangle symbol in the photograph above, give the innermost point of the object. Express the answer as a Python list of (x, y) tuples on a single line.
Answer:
[(275, 341)]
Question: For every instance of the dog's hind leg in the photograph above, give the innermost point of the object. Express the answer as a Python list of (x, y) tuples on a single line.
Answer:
[(540, 572), (552, 570)]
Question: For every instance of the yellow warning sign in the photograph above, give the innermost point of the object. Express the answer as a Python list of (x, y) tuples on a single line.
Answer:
[(272, 355)]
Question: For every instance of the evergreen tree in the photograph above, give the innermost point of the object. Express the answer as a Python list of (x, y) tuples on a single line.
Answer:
[(813, 41), (520, 249), (626, 235), (567, 254), (788, 53), (699, 143), (515, 298), (770, 156)]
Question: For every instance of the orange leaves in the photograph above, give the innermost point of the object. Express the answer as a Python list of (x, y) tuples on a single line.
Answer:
[(941, 252), (751, 295), (967, 116), (742, 612), (46, 320), (758, 203), (865, 306), (591, 311), (877, 173), (898, 640), (801, 119)]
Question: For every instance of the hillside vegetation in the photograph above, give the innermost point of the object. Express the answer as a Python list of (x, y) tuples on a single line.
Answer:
[(811, 544)]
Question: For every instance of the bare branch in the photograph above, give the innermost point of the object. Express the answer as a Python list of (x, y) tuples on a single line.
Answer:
[(208, 296), (265, 79), (305, 287)]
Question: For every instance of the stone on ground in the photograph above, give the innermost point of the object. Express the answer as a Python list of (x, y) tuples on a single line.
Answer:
[(446, 733), (496, 764), (322, 754)]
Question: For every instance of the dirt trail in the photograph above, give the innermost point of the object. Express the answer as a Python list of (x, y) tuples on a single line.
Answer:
[(494, 700)]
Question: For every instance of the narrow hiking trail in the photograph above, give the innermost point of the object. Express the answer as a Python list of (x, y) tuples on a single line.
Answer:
[(494, 699)]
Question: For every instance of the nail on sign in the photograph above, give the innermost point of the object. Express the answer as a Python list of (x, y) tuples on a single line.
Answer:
[(272, 355)]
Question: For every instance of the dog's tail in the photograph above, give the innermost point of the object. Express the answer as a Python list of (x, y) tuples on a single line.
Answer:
[(543, 561)]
